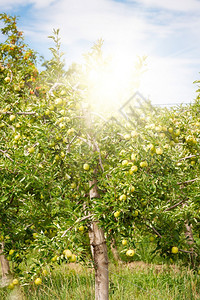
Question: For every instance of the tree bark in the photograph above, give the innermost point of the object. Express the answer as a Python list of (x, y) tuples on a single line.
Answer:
[(99, 252), (114, 251), (5, 268), (190, 239)]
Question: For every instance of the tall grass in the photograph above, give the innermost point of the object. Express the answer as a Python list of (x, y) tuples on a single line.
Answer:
[(136, 280)]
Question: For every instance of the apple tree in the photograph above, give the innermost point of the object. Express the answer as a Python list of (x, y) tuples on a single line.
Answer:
[(71, 181)]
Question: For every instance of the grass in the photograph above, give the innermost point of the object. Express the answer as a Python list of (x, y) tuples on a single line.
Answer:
[(136, 280)]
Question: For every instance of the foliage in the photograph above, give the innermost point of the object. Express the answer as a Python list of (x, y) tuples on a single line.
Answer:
[(52, 145)]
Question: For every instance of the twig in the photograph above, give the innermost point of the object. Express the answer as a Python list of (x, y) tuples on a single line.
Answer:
[(100, 160), (185, 251), (86, 141), (175, 205), (54, 87), (150, 226), (69, 143), (77, 221), (188, 181), (8, 156), (190, 156), (18, 113), (100, 116)]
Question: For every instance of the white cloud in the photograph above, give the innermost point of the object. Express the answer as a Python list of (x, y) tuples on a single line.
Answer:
[(169, 35), (170, 80), (13, 4), (176, 5)]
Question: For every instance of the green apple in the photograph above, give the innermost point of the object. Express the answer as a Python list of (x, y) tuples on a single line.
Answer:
[(70, 131), (134, 168), (130, 252), (73, 185), (73, 258), (124, 162), (44, 272), (31, 150), (11, 286), (124, 242), (11, 252), (81, 228), (15, 281), (86, 167), (136, 213), (170, 129), (133, 156), (174, 250), (17, 137), (177, 132), (67, 253), (54, 259), (132, 189), (12, 117), (7, 79), (143, 164), (58, 101), (35, 235), (117, 214), (122, 197), (152, 238), (38, 281), (159, 151)]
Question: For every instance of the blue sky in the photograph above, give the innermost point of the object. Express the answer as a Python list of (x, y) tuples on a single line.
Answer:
[(166, 31)]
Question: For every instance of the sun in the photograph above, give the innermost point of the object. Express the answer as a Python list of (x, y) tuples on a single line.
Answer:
[(110, 82)]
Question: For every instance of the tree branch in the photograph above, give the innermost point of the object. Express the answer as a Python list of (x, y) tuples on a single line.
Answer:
[(77, 221), (17, 113), (86, 141), (100, 160), (185, 251), (54, 87), (175, 205), (188, 181), (190, 156), (156, 232), (8, 156)]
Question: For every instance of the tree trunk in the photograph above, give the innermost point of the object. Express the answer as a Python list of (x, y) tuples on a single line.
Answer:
[(99, 252), (5, 268), (190, 240), (114, 251), (189, 237)]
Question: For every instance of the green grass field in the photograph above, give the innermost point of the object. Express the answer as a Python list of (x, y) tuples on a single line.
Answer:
[(136, 280)]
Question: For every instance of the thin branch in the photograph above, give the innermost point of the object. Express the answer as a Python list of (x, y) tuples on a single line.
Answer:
[(36, 144), (185, 251), (100, 116), (18, 113), (175, 205), (187, 157), (100, 160), (158, 234), (77, 221), (86, 141), (8, 156), (11, 75), (188, 181), (54, 87)]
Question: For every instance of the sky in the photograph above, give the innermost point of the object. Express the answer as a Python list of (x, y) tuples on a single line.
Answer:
[(167, 32)]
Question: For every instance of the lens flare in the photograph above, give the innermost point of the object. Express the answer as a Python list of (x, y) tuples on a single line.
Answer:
[(111, 82)]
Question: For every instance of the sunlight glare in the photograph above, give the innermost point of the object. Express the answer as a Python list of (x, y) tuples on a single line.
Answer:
[(110, 84)]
